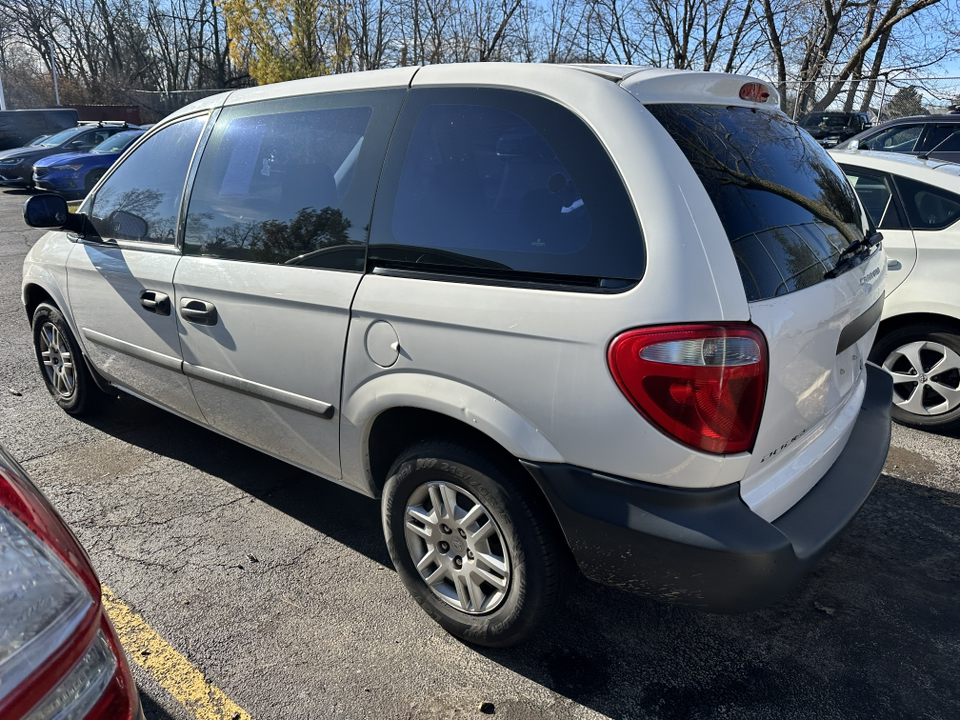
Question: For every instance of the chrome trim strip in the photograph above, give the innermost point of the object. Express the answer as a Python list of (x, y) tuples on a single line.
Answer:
[(264, 392), (150, 356)]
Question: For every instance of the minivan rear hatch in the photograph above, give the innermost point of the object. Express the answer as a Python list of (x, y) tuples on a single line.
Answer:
[(813, 277)]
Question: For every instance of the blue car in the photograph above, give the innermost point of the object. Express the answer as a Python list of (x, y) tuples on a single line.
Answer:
[(77, 173)]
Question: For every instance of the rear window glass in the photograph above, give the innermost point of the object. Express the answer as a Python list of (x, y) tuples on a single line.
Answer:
[(505, 185), (787, 208)]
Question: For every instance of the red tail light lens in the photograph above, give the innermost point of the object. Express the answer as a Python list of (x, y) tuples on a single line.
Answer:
[(701, 384), (755, 92)]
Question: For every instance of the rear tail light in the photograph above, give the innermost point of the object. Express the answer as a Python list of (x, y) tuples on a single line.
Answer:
[(755, 92), (701, 384), (59, 657), (82, 687)]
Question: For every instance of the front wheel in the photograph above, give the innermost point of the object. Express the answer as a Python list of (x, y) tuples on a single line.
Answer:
[(470, 545), (64, 372), (924, 362), (93, 177)]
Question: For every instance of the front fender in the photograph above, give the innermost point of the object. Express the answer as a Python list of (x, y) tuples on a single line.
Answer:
[(466, 404)]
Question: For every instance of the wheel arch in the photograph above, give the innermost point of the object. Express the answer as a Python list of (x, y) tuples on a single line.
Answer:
[(392, 411), (33, 295), (896, 322)]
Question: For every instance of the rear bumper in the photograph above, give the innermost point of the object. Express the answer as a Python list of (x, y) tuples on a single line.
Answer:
[(706, 548)]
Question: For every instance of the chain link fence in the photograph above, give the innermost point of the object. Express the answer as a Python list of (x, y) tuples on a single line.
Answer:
[(155, 105), (883, 98)]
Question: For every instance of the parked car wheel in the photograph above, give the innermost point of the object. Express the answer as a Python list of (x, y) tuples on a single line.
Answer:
[(924, 361), (61, 363), (93, 177), (469, 545)]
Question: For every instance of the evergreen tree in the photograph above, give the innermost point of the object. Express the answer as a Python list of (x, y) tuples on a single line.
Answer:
[(906, 101)]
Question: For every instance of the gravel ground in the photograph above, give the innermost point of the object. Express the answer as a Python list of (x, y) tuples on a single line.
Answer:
[(277, 585)]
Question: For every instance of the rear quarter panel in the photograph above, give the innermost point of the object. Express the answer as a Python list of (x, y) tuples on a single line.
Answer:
[(542, 353)]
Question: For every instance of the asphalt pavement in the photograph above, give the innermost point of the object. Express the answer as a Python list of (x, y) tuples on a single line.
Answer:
[(276, 585)]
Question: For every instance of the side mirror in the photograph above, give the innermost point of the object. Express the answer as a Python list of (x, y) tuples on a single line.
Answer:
[(128, 226), (853, 145), (45, 211)]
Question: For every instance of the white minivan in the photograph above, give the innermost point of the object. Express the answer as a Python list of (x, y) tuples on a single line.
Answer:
[(554, 316)]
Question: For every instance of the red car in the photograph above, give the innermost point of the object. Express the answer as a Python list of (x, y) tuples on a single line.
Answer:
[(59, 654)]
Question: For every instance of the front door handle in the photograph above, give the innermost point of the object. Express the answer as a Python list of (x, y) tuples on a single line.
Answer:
[(196, 311), (155, 302)]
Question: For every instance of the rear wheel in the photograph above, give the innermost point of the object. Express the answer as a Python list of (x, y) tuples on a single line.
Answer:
[(64, 370), (470, 545), (924, 362)]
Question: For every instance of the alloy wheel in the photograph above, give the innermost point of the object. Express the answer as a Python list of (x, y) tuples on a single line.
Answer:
[(457, 547), (926, 377), (57, 360)]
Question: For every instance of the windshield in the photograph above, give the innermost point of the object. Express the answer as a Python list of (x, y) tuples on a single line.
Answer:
[(61, 137), (825, 120), (787, 208), (116, 143)]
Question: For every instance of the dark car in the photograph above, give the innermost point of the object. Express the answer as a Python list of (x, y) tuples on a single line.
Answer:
[(16, 166), (18, 126), (933, 136), (77, 173), (59, 654), (831, 128)]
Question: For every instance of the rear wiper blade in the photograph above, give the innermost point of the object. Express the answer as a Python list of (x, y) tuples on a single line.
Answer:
[(853, 255)]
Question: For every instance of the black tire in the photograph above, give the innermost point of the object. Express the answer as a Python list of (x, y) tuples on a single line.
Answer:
[(73, 388), (535, 554), (940, 341), (92, 178)]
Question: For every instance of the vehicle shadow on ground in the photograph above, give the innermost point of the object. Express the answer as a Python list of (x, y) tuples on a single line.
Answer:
[(151, 709), (874, 631), (294, 492)]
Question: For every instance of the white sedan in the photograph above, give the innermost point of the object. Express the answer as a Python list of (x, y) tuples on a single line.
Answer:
[(915, 203)]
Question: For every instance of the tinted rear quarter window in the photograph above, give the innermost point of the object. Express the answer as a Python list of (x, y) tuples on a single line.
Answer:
[(787, 208), (878, 197), (503, 184), (928, 207)]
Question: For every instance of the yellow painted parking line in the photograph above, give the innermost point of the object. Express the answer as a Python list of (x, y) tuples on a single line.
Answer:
[(171, 669)]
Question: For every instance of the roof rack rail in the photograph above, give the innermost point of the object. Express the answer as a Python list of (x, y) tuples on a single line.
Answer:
[(105, 123)]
